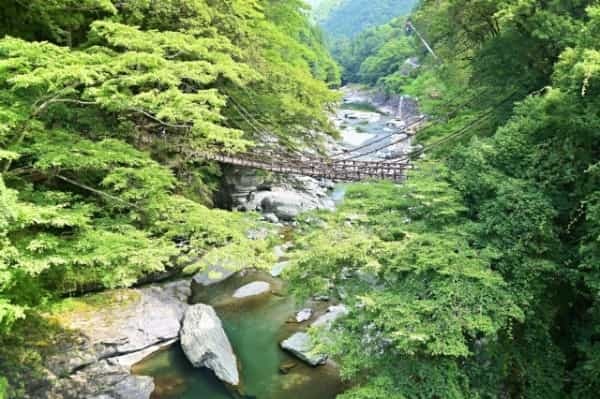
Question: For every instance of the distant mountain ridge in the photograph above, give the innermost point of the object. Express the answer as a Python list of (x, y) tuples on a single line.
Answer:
[(347, 18)]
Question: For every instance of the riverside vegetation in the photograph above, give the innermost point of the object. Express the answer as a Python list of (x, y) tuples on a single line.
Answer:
[(477, 278)]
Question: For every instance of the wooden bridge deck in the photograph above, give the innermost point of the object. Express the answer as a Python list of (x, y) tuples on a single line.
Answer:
[(340, 170)]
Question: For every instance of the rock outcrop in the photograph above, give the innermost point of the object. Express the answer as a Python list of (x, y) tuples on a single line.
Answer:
[(131, 324), (205, 343), (287, 204)]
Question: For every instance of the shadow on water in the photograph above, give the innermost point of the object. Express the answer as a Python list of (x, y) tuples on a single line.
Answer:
[(255, 327)]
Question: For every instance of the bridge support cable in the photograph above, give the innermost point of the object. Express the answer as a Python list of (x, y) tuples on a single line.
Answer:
[(427, 46)]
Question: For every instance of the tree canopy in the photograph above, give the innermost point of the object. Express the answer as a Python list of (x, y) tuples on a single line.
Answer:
[(106, 108)]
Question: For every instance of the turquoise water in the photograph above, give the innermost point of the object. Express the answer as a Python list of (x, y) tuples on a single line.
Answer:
[(255, 327)]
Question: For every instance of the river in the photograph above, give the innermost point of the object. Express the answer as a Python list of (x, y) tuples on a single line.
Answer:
[(255, 327)]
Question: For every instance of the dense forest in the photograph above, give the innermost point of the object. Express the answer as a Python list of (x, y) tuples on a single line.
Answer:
[(477, 278), (344, 19)]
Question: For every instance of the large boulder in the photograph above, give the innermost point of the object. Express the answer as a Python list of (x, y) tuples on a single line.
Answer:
[(301, 346), (287, 204), (252, 289), (205, 343)]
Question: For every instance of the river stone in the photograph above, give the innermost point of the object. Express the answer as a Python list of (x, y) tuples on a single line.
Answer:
[(304, 315), (278, 269), (301, 346), (213, 274), (333, 313), (252, 289), (205, 343)]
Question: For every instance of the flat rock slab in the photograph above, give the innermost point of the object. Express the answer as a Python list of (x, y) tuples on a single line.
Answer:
[(205, 343), (252, 289), (301, 346)]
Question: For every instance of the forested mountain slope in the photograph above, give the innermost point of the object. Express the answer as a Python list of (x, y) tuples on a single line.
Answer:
[(104, 108), (479, 277), (346, 18)]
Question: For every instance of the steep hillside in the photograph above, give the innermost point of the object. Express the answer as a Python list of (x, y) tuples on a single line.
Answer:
[(347, 18)]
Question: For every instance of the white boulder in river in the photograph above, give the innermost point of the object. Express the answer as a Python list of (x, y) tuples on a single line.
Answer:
[(252, 289), (205, 343)]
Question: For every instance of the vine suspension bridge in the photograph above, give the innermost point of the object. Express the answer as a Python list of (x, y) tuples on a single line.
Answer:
[(328, 168), (344, 166), (347, 165)]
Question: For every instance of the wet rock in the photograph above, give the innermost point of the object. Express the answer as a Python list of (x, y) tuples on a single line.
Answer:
[(301, 346), (278, 269), (213, 274), (205, 343), (304, 315), (252, 289)]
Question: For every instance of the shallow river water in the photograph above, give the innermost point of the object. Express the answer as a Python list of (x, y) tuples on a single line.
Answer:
[(255, 327)]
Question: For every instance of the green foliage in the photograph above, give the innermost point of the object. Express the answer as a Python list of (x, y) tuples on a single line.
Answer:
[(347, 18), (516, 211), (423, 297), (376, 56), (3, 388), (106, 108)]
